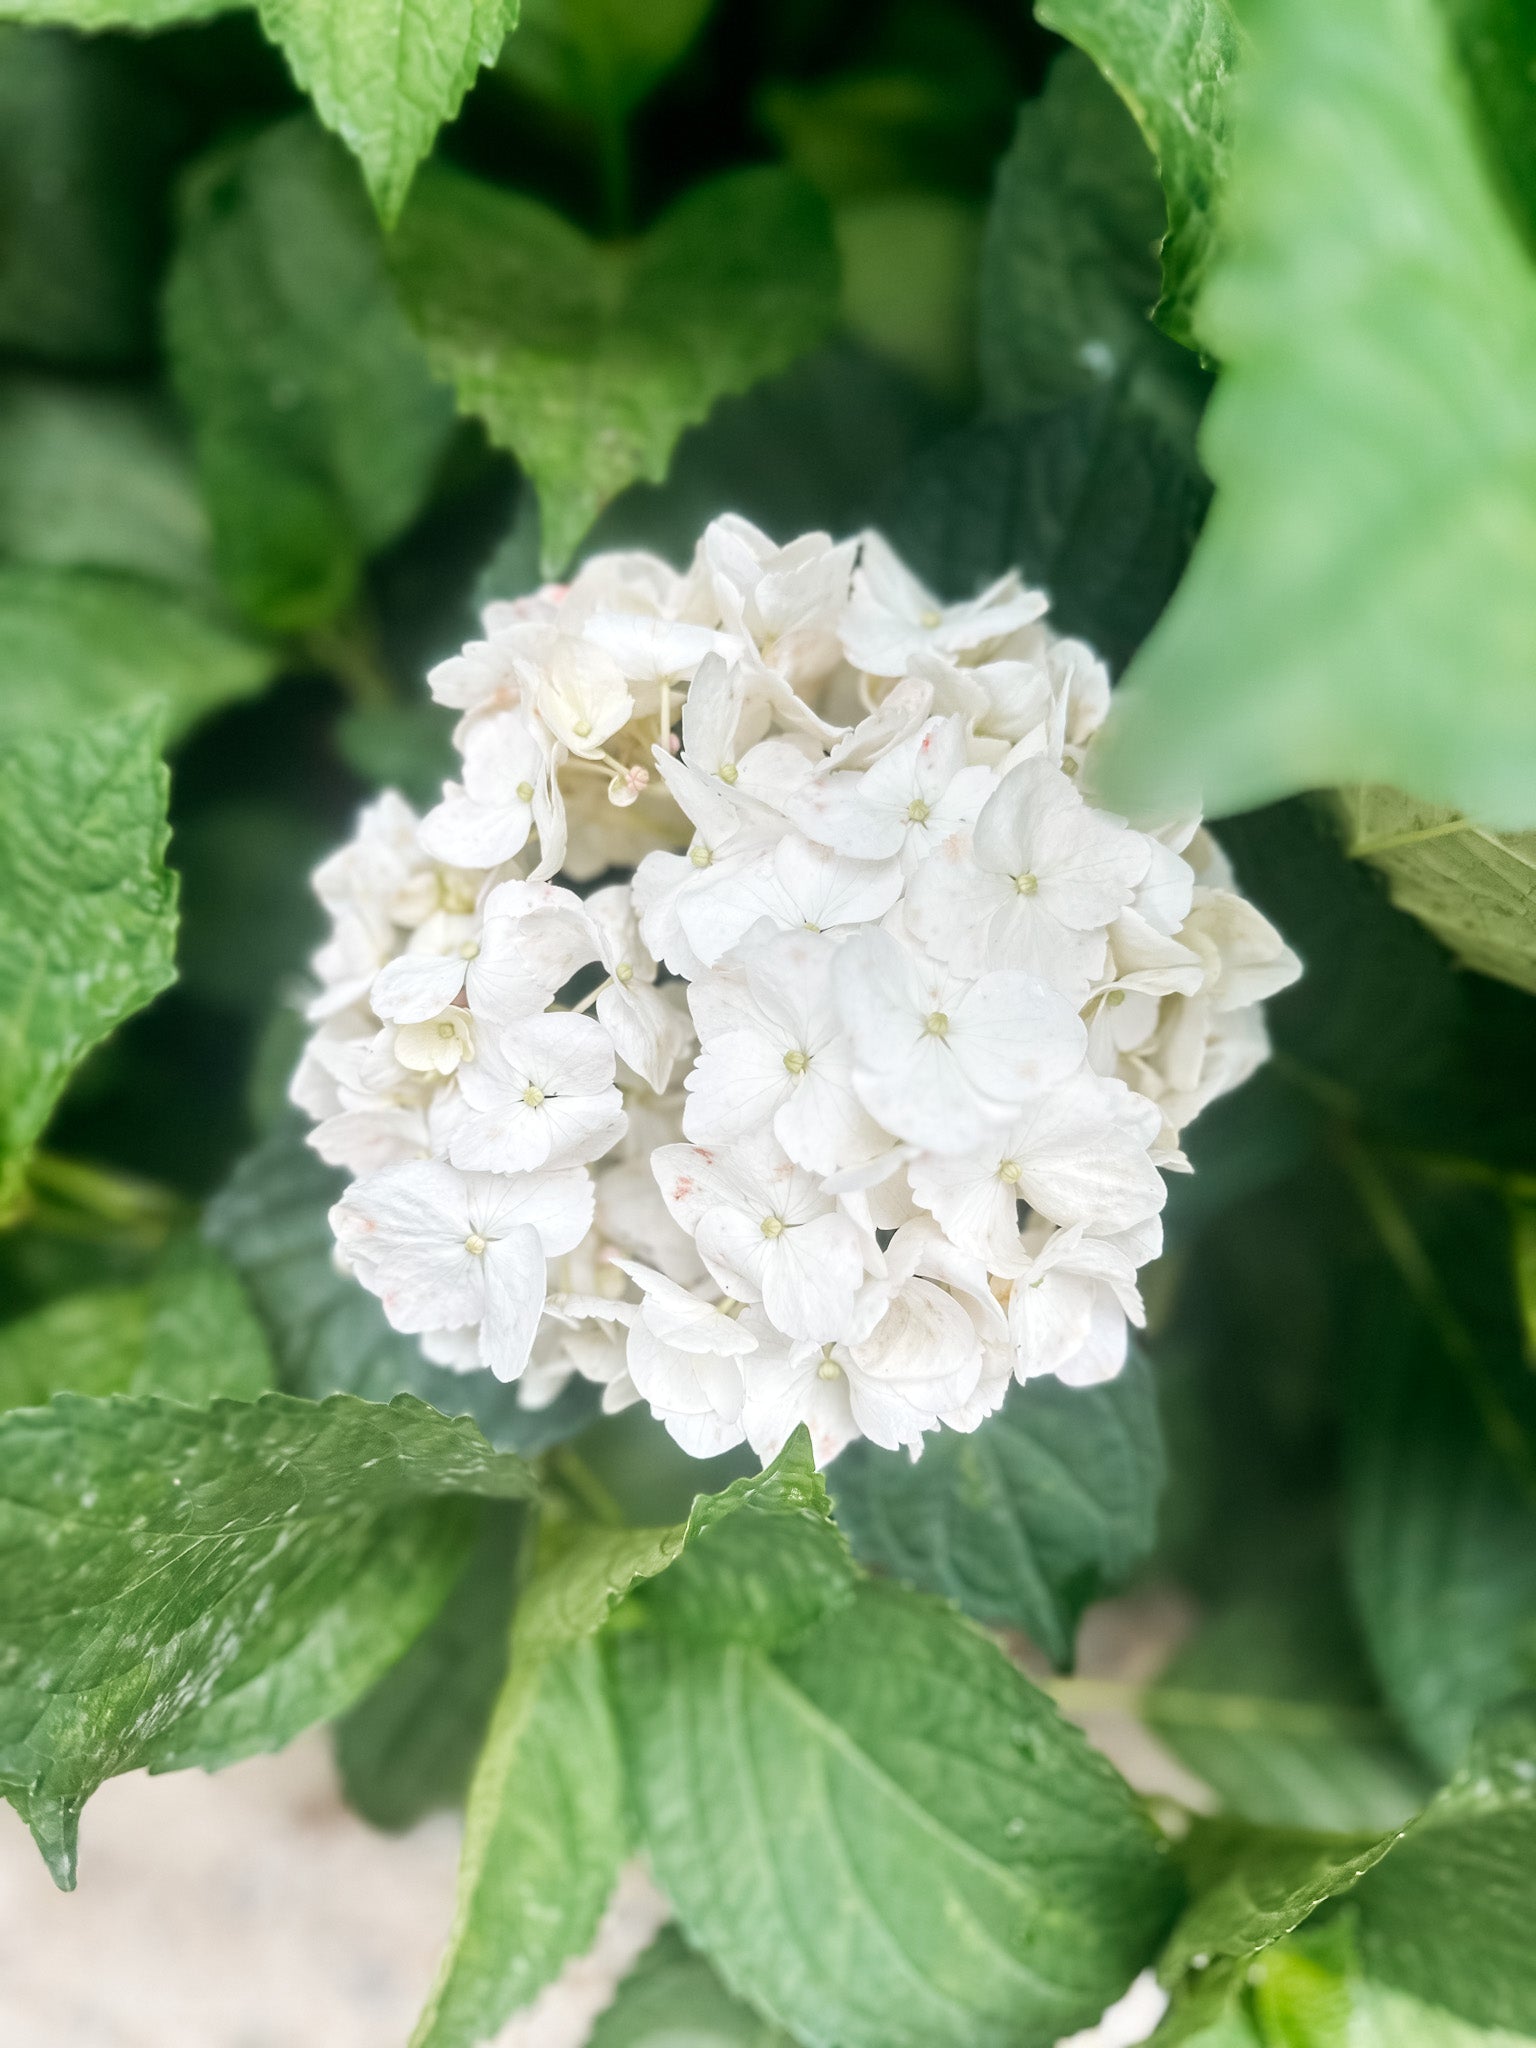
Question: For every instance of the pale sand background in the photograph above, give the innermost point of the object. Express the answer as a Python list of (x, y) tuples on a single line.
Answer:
[(251, 1910)]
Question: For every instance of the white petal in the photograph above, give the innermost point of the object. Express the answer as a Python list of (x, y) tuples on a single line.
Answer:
[(416, 987), (515, 1277)]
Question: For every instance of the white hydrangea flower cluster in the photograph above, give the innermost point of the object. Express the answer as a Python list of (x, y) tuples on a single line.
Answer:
[(942, 1017)]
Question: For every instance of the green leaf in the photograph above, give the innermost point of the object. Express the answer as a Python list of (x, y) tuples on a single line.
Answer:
[(599, 57), (588, 361), (409, 1745), (317, 425), (1045, 1507), (760, 1561), (98, 14), (1383, 2018), (80, 644), (188, 1586), (1070, 270), (1171, 65), (386, 74), (1496, 40), (1253, 1887), (86, 143), (327, 1334), (673, 1997), (188, 1333), (87, 911), (1272, 1705), (1441, 1532), (1090, 498), (383, 74), (883, 1835), (1448, 1916), (1475, 889), (1356, 610), (546, 1828), (97, 479)]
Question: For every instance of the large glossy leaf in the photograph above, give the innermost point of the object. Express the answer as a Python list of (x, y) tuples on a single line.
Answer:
[(187, 1332), (97, 478), (883, 1835), (317, 424), (546, 1826), (80, 644), (1048, 1505), (1069, 271), (588, 361), (187, 1586), (87, 910), (1172, 64), (1356, 610)]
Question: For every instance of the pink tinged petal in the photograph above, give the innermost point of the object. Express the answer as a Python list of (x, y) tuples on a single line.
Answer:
[(692, 1183), (515, 1280), (416, 987), (835, 811)]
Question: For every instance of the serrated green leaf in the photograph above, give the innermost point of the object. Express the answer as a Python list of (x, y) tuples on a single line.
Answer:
[(188, 1586), (1475, 889), (87, 911), (86, 144), (1090, 498), (1356, 609), (409, 1745), (328, 1335), (98, 479), (386, 74), (317, 425), (546, 1827), (1045, 1507), (81, 644), (188, 1333), (883, 1835), (1448, 1916), (672, 1997), (1069, 271), (599, 57), (588, 361), (1255, 1886), (1172, 66), (1271, 1704)]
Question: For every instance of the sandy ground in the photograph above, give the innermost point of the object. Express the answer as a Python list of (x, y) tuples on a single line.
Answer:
[(251, 1910)]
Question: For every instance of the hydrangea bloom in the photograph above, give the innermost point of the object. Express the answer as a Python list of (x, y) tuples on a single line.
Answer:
[(851, 1099)]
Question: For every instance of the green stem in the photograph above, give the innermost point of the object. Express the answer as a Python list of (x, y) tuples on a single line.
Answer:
[(1232, 1713), (568, 1470), (348, 651), (74, 1199)]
